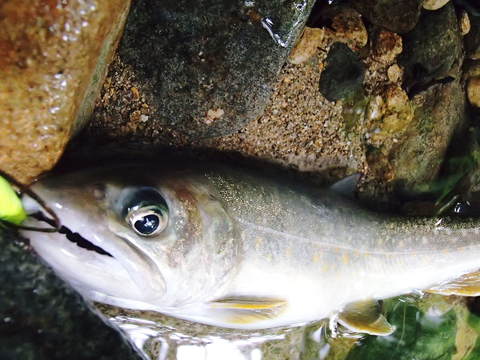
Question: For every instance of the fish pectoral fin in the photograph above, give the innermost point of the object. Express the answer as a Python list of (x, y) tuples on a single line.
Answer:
[(247, 310), (366, 317), (465, 285), (347, 187)]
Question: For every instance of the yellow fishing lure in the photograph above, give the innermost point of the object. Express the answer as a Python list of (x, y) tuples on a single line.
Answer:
[(11, 209)]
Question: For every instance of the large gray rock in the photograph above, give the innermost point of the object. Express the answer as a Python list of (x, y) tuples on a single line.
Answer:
[(432, 48), (200, 69), (41, 318), (394, 15), (440, 111)]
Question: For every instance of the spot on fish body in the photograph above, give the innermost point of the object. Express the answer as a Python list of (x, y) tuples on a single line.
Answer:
[(258, 243)]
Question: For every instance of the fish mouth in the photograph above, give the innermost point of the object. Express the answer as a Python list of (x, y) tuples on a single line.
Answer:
[(74, 237), (117, 273)]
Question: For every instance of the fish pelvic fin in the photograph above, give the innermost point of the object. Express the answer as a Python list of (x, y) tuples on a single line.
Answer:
[(366, 317), (465, 285), (243, 310)]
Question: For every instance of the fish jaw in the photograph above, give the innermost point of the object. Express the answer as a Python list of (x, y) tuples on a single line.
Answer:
[(126, 278)]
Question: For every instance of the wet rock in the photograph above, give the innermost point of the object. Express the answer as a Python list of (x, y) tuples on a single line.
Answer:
[(439, 113), (53, 57), (473, 91), (307, 46), (434, 4), (393, 15), (394, 73), (472, 39), (43, 319), (464, 23), (389, 116), (188, 62), (432, 48), (343, 75), (387, 47), (305, 131), (349, 28)]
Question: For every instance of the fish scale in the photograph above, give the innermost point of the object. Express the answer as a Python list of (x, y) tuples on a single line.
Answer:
[(245, 250)]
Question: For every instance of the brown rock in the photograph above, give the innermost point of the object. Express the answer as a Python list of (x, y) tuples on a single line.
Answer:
[(464, 23), (53, 57), (394, 73), (473, 91), (307, 46), (434, 4), (387, 46), (439, 112), (349, 28)]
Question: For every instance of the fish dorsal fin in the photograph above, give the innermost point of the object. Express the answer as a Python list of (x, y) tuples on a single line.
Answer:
[(465, 285), (248, 309), (346, 187), (365, 317)]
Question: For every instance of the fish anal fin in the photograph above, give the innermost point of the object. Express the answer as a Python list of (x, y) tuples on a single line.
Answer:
[(465, 285), (243, 310), (365, 317)]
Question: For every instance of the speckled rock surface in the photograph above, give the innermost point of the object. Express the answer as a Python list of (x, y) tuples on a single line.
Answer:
[(393, 15), (197, 71), (439, 112), (472, 39), (53, 57), (42, 319), (343, 74), (432, 48)]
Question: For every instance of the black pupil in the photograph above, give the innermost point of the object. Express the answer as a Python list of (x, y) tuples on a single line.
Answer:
[(147, 224)]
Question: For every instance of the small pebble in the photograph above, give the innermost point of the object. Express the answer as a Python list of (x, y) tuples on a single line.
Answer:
[(307, 45), (464, 23), (473, 91), (213, 115), (434, 4), (394, 73)]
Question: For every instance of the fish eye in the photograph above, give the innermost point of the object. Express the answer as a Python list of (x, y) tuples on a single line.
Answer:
[(147, 220), (144, 210)]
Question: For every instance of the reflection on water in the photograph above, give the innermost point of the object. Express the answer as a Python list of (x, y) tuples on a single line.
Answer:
[(427, 328)]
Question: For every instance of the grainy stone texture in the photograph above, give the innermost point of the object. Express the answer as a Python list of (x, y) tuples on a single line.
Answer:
[(472, 39), (343, 74), (473, 91), (53, 57), (432, 48), (434, 4), (393, 15), (42, 319), (439, 112), (198, 70), (300, 128)]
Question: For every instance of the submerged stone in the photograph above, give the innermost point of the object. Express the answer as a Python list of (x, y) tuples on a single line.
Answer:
[(343, 75), (432, 48), (393, 15), (472, 39), (43, 319), (53, 58), (439, 113), (198, 70)]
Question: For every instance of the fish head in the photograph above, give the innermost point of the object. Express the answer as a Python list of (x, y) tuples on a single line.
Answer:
[(137, 238)]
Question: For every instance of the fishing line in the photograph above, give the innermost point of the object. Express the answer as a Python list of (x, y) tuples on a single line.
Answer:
[(54, 220)]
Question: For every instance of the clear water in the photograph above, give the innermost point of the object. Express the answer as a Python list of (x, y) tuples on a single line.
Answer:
[(427, 328)]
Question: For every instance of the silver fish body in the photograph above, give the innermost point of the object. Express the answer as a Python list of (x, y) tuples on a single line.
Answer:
[(242, 250)]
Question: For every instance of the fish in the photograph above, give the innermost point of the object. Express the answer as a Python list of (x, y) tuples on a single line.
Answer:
[(235, 248)]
